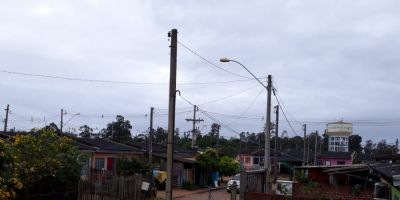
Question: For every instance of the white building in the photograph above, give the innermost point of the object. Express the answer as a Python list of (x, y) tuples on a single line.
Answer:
[(339, 133)]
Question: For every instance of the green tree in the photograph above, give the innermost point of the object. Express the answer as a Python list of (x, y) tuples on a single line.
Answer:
[(383, 148), (325, 142), (369, 147), (119, 130), (228, 166), (355, 143), (45, 163), (9, 181), (209, 161), (160, 136), (86, 131)]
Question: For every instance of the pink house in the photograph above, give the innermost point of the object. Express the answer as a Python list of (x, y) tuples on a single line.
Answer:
[(103, 153), (330, 158)]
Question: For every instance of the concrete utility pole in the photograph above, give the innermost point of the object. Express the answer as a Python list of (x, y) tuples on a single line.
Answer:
[(61, 121), (6, 119), (173, 34), (305, 145), (151, 136), (276, 143), (316, 147), (194, 120), (267, 131)]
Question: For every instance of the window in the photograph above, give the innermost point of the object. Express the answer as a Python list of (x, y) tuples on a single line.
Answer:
[(247, 160), (99, 163), (341, 162), (327, 162), (255, 161), (85, 166)]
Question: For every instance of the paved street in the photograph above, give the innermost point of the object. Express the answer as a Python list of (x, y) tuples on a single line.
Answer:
[(219, 194)]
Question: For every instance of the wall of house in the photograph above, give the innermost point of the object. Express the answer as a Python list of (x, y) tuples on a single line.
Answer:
[(331, 161), (107, 161), (246, 160)]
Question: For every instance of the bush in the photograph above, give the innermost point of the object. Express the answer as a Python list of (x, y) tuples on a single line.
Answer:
[(132, 166), (188, 185), (356, 190)]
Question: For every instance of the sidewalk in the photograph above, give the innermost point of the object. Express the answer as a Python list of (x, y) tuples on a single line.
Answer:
[(177, 193)]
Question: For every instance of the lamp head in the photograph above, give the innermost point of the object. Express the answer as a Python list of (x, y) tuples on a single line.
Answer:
[(224, 60)]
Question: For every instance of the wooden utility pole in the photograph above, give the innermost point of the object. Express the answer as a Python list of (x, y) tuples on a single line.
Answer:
[(305, 145), (6, 119), (194, 120), (173, 34), (151, 136), (218, 127), (267, 131), (316, 147), (308, 149), (276, 143), (61, 121)]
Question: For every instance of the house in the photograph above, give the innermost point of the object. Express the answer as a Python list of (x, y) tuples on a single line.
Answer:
[(285, 160), (389, 174), (249, 161), (335, 181), (338, 145), (335, 158), (103, 153), (339, 133), (185, 165)]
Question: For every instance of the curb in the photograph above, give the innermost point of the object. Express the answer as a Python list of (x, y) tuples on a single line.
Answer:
[(198, 192)]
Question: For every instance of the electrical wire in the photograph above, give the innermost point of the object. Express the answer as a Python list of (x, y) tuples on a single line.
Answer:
[(247, 108), (227, 126), (118, 82), (209, 62), (283, 112), (229, 96)]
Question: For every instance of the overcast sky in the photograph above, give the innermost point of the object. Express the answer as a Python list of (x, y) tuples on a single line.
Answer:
[(330, 60)]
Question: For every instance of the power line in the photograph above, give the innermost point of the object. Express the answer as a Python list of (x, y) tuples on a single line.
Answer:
[(247, 108), (235, 116), (209, 62), (234, 131), (118, 82), (229, 96), (283, 112)]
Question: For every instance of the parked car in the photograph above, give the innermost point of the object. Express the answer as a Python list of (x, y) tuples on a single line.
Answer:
[(235, 179)]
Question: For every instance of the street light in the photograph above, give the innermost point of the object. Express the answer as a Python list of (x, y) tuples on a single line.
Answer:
[(267, 127), (230, 60)]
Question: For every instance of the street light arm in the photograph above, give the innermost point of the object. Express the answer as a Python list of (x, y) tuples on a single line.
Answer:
[(229, 60)]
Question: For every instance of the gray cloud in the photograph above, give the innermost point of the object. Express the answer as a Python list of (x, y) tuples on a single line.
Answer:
[(329, 59)]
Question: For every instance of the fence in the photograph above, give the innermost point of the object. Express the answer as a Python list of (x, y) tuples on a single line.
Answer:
[(111, 187)]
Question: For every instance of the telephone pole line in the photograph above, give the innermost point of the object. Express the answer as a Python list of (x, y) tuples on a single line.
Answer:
[(267, 131), (218, 127), (151, 136), (305, 145), (276, 143), (194, 120), (6, 119), (61, 121), (173, 34), (316, 147)]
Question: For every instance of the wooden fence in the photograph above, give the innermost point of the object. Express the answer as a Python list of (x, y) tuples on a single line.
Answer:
[(101, 187)]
